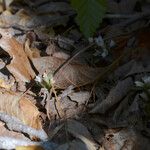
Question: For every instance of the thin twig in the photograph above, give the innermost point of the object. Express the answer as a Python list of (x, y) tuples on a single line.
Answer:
[(62, 66)]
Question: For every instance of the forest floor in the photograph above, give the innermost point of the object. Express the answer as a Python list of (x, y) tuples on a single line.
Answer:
[(62, 91)]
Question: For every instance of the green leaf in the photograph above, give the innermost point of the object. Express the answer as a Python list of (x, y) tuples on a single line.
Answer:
[(89, 14)]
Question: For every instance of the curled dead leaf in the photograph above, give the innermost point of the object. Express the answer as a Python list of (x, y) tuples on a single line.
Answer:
[(20, 66)]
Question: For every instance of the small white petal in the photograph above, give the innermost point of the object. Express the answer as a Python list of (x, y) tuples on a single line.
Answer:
[(44, 75), (99, 41), (112, 44), (146, 79), (38, 79), (105, 53)]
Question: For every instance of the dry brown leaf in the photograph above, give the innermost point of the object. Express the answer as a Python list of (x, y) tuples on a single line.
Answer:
[(8, 19), (123, 6), (31, 52), (114, 96), (118, 140), (68, 105), (76, 128), (79, 131), (73, 74), (20, 66), (82, 145), (19, 106), (125, 139), (4, 84), (36, 147)]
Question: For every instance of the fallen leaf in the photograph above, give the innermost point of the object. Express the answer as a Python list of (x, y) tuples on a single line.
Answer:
[(81, 143), (125, 6), (73, 74), (19, 106), (125, 139), (78, 144), (114, 96), (76, 128), (29, 148), (4, 84), (79, 131), (45, 14), (66, 107), (9, 19), (19, 66), (31, 52), (63, 147), (81, 97), (53, 7)]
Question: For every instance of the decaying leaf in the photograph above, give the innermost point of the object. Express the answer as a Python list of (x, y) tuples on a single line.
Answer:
[(19, 106), (125, 6), (114, 96), (73, 74), (125, 139), (9, 19), (81, 132), (31, 52), (117, 140), (75, 127), (19, 66), (53, 7), (44, 15), (66, 106), (82, 145), (36, 147), (4, 84)]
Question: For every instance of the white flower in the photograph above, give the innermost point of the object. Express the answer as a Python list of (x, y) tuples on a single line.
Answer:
[(112, 44), (38, 79), (99, 41), (146, 79), (105, 53)]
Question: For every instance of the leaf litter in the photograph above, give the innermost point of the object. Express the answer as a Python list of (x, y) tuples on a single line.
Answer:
[(51, 99)]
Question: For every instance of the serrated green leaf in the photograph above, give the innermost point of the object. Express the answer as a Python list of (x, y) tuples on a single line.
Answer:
[(89, 14)]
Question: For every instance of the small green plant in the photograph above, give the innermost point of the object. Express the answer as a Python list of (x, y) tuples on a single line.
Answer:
[(89, 14), (45, 81)]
